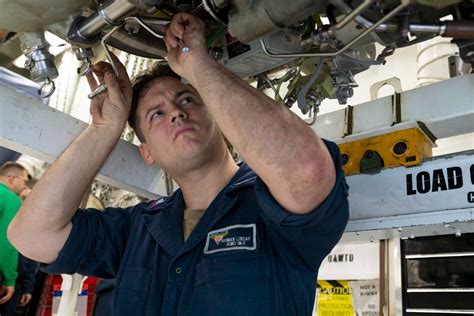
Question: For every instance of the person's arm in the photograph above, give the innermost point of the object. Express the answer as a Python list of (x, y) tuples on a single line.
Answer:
[(27, 278), (43, 223), (8, 266), (25, 299), (289, 157), (6, 293), (8, 254)]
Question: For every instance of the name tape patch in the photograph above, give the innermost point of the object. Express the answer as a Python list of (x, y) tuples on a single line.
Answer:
[(232, 238)]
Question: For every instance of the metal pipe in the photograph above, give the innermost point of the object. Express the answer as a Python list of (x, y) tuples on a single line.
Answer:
[(103, 87), (347, 9), (459, 29), (142, 24), (390, 27), (401, 6), (353, 14), (109, 12), (435, 29)]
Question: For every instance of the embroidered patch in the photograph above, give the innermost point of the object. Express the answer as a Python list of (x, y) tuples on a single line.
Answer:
[(232, 238)]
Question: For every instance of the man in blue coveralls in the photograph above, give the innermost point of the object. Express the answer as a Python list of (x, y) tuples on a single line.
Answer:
[(265, 226)]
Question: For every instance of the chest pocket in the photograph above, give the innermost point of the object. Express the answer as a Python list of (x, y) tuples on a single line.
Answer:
[(236, 283), (132, 290)]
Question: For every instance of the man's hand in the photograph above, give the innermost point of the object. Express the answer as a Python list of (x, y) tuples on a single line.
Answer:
[(110, 108), (23, 194), (42, 225), (6, 293), (186, 30), (25, 299)]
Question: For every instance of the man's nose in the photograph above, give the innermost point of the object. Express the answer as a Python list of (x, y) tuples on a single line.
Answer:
[(177, 113)]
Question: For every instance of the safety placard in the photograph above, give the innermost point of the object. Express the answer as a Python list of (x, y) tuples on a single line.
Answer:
[(347, 298), (334, 299), (365, 297)]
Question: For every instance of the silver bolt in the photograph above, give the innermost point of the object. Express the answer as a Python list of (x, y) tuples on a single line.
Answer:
[(132, 28), (313, 98)]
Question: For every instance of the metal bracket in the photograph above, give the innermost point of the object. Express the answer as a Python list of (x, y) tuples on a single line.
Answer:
[(396, 97)]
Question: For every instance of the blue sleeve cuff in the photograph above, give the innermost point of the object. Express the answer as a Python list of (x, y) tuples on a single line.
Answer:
[(311, 236), (72, 253), (96, 243), (281, 217)]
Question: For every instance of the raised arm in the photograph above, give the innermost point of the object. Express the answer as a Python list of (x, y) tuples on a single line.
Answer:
[(42, 225), (289, 157)]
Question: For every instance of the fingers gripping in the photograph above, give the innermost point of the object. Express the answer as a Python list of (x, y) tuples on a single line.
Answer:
[(105, 74)]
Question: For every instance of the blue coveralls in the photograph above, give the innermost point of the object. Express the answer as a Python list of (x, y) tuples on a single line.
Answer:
[(246, 256)]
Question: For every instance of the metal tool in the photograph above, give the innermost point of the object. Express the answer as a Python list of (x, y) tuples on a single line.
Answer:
[(97, 91), (103, 87)]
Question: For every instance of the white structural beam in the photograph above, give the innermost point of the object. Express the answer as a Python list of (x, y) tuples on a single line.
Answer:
[(29, 127), (446, 108), (392, 203), (432, 199)]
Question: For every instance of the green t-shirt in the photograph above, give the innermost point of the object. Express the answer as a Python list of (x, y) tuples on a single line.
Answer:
[(9, 206)]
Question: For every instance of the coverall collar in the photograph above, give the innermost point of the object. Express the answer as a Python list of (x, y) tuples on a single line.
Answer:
[(164, 218)]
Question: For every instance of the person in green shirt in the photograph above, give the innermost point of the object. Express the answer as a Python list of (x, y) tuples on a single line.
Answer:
[(13, 180)]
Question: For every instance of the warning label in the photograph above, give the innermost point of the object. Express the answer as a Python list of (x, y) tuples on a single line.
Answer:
[(334, 299), (347, 298), (365, 295)]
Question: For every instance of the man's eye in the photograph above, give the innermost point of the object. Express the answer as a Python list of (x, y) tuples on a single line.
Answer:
[(156, 115), (186, 100)]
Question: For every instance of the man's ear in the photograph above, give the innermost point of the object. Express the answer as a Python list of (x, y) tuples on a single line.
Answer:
[(145, 153), (11, 180)]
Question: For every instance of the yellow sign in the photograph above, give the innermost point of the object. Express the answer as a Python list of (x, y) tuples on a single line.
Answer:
[(334, 299)]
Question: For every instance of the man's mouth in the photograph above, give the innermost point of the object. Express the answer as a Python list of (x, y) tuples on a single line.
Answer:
[(181, 131)]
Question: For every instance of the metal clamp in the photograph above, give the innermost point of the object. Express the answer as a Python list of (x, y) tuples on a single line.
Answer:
[(313, 113), (47, 88), (301, 98), (103, 42), (85, 67)]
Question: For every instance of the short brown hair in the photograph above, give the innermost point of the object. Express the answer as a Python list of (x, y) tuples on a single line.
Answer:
[(7, 168), (140, 84)]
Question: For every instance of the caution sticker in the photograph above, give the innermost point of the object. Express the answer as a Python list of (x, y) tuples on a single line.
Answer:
[(334, 299)]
